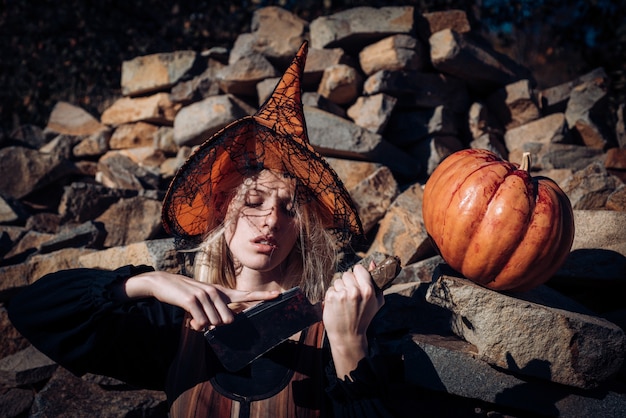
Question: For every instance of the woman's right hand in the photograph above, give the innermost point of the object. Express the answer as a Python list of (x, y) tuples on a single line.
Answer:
[(206, 303)]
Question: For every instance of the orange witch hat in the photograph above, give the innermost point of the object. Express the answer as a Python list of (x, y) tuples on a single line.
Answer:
[(274, 138)]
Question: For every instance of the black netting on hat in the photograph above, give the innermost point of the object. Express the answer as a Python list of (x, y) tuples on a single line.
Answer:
[(274, 138), (198, 195)]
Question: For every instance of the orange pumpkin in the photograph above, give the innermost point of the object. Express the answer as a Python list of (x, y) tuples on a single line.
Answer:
[(494, 223)]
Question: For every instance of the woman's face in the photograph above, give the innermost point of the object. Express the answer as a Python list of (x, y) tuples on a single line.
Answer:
[(265, 228)]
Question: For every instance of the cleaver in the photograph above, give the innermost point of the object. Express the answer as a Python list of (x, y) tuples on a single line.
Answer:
[(260, 328)]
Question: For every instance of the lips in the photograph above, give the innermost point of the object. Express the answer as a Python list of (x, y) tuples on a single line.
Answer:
[(265, 243)]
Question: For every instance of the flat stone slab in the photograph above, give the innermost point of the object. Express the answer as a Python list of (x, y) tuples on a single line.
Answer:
[(451, 365), (539, 333)]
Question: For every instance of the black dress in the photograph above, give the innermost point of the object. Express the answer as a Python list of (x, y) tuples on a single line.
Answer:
[(77, 318)]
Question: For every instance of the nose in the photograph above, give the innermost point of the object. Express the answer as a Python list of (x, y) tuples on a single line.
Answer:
[(271, 219)]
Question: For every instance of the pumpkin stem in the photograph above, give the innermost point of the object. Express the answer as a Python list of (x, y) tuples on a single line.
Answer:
[(525, 165)]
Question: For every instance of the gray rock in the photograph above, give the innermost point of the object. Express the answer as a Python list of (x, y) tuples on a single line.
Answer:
[(131, 220), (515, 104), (23, 171), (408, 127), (372, 112), (395, 53), (159, 253), (557, 156), (569, 345), (480, 65), (603, 229), (277, 33), (117, 170), (354, 28), (157, 108), (431, 151), (549, 129), (87, 234), (590, 187), (446, 364), (420, 89), (197, 122), (337, 137), (587, 113), (26, 367), (155, 72), (91, 400), (15, 402), (340, 84), (401, 231), (67, 119), (433, 22), (241, 77), (554, 99), (373, 195), (491, 141)]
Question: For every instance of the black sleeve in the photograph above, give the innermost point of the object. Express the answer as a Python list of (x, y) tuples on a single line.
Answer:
[(74, 318), (365, 393)]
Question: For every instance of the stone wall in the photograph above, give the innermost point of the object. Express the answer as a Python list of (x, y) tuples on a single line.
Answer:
[(388, 93)]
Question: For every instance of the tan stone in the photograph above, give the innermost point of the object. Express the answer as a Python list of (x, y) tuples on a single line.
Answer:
[(373, 195), (455, 20), (68, 119), (155, 72), (354, 28), (29, 243), (616, 159), (395, 53), (515, 104), (340, 84), (241, 77), (131, 220), (372, 112), (159, 254), (352, 172), (132, 135), (402, 231), (157, 108), (278, 33), (617, 199), (549, 129), (480, 65)]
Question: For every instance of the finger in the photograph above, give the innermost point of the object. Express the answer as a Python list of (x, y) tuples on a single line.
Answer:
[(362, 276), (365, 282), (341, 284)]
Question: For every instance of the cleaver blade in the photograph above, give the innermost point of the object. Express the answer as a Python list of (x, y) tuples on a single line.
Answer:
[(262, 327)]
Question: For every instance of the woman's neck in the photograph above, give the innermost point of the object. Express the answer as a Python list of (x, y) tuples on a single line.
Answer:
[(256, 280)]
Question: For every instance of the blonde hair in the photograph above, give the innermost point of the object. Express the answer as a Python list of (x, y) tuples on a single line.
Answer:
[(310, 264)]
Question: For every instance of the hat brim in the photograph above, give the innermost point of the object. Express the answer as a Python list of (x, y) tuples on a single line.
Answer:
[(196, 199)]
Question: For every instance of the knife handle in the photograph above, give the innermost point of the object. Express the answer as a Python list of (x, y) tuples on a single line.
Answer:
[(386, 271)]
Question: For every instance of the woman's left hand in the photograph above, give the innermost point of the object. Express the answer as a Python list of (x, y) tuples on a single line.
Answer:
[(349, 307)]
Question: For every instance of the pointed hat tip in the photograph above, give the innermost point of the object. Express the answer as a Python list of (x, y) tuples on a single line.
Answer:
[(283, 109)]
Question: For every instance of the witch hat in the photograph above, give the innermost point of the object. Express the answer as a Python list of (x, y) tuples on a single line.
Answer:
[(274, 138)]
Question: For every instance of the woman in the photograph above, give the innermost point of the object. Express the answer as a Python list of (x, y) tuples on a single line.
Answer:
[(264, 213)]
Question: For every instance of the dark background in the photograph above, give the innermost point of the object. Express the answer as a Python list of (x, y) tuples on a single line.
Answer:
[(72, 50)]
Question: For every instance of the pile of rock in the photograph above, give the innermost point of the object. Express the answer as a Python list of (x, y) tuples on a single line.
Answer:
[(389, 93)]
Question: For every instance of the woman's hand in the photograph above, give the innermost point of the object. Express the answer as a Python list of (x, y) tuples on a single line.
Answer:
[(349, 307), (207, 303)]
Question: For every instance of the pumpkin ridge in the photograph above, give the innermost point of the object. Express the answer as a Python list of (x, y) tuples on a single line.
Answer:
[(492, 268), (529, 257), (476, 223)]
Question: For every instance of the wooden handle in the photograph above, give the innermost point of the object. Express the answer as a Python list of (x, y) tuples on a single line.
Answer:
[(386, 271)]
